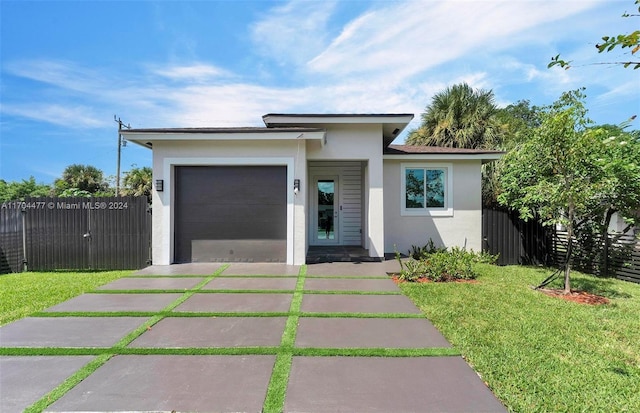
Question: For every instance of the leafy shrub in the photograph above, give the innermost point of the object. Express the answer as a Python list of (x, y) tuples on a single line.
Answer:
[(442, 264), (417, 252), (450, 265)]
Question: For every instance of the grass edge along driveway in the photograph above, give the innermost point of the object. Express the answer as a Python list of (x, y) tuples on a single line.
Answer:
[(539, 353)]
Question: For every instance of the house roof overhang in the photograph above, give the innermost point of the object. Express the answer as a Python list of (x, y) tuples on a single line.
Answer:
[(392, 123), (414, 152), (146, 137)]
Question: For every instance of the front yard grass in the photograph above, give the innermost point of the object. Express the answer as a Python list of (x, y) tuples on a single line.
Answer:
[(25, 293), (539, 353)]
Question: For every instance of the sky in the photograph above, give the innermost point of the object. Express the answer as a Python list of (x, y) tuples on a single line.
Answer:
[(67, 67)]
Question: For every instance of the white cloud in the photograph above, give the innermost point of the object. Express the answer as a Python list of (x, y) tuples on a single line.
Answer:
[(73, 117), (407, 38), (293, 32), (197, 72)]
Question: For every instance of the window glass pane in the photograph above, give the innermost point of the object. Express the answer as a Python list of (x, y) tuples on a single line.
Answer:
[(414, 186), (326, 209), (435, 188)]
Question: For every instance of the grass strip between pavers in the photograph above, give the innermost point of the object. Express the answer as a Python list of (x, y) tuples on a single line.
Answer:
[(279, 381), (228, 351), (68, 384), (192, 290)]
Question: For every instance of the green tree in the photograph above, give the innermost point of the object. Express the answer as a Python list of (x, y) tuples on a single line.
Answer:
[(610, 43), (82, 180), (137, 182), (620, 165), (518, 121), (14, 191), (554, 173), (459, 117)]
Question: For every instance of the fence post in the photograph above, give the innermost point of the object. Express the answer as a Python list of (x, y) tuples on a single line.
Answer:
[(605, 256), (24, 239)]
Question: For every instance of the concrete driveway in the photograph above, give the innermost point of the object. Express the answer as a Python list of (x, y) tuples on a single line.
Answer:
[(206, 338)]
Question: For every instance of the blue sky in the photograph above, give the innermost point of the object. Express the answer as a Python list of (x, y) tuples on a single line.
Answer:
[(66, 68)]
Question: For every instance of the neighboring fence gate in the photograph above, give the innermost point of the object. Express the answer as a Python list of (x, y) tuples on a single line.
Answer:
[(42, 234)]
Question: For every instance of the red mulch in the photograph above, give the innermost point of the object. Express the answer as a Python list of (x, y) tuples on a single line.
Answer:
[(397, 280), (580, 297)]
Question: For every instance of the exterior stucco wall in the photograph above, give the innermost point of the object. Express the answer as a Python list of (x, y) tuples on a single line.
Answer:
[(463, 228), (359, 143), (166, 154)]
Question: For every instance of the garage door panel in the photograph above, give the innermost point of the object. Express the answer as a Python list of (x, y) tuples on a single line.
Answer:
[(230, 213)]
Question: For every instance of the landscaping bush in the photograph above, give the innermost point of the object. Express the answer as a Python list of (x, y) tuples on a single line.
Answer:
[(441, 264)]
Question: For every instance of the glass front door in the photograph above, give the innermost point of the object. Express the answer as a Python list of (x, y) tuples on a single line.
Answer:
[(326, 219)]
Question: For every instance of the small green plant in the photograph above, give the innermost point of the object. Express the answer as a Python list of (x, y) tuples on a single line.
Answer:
[(413, 270), (416, 252)]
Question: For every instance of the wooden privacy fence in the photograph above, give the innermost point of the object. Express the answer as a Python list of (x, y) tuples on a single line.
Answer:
[(529, 243), (42, 234), (616, 255)]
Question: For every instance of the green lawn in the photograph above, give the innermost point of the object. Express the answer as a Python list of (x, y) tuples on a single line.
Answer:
[(538, 353), (29, 292)]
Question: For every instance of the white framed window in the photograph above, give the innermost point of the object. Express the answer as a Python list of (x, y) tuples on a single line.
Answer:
[(426, 189)]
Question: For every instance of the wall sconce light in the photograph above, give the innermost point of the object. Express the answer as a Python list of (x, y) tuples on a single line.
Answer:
[(296, 186), (159, 185)]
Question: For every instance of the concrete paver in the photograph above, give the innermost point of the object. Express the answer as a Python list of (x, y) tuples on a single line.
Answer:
[(67, 331), (213, 332), (204, 268), (237, 302), (247, 283), (394, 384), (25, 380), (346, 284), (368, 333), (355, 269), (116, 302), (261, 269), (166, 383), (343, 303), (129, 283)]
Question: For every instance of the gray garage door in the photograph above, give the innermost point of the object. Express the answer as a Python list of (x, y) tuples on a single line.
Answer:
[(230, 213)]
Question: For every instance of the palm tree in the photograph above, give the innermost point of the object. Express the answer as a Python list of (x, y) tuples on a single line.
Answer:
[(81, 178), (137, 182), (459, 117)]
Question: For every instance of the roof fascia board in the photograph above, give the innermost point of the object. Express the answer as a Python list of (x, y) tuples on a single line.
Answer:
[(485, 157), (284, 119), (177, 136)]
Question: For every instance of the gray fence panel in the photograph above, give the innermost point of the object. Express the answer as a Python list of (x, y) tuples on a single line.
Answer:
[(516, 241), (77, 233), (11, 251)]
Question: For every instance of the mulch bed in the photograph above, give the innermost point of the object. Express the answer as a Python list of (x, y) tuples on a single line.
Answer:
[(397, 280), (580, 297)]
